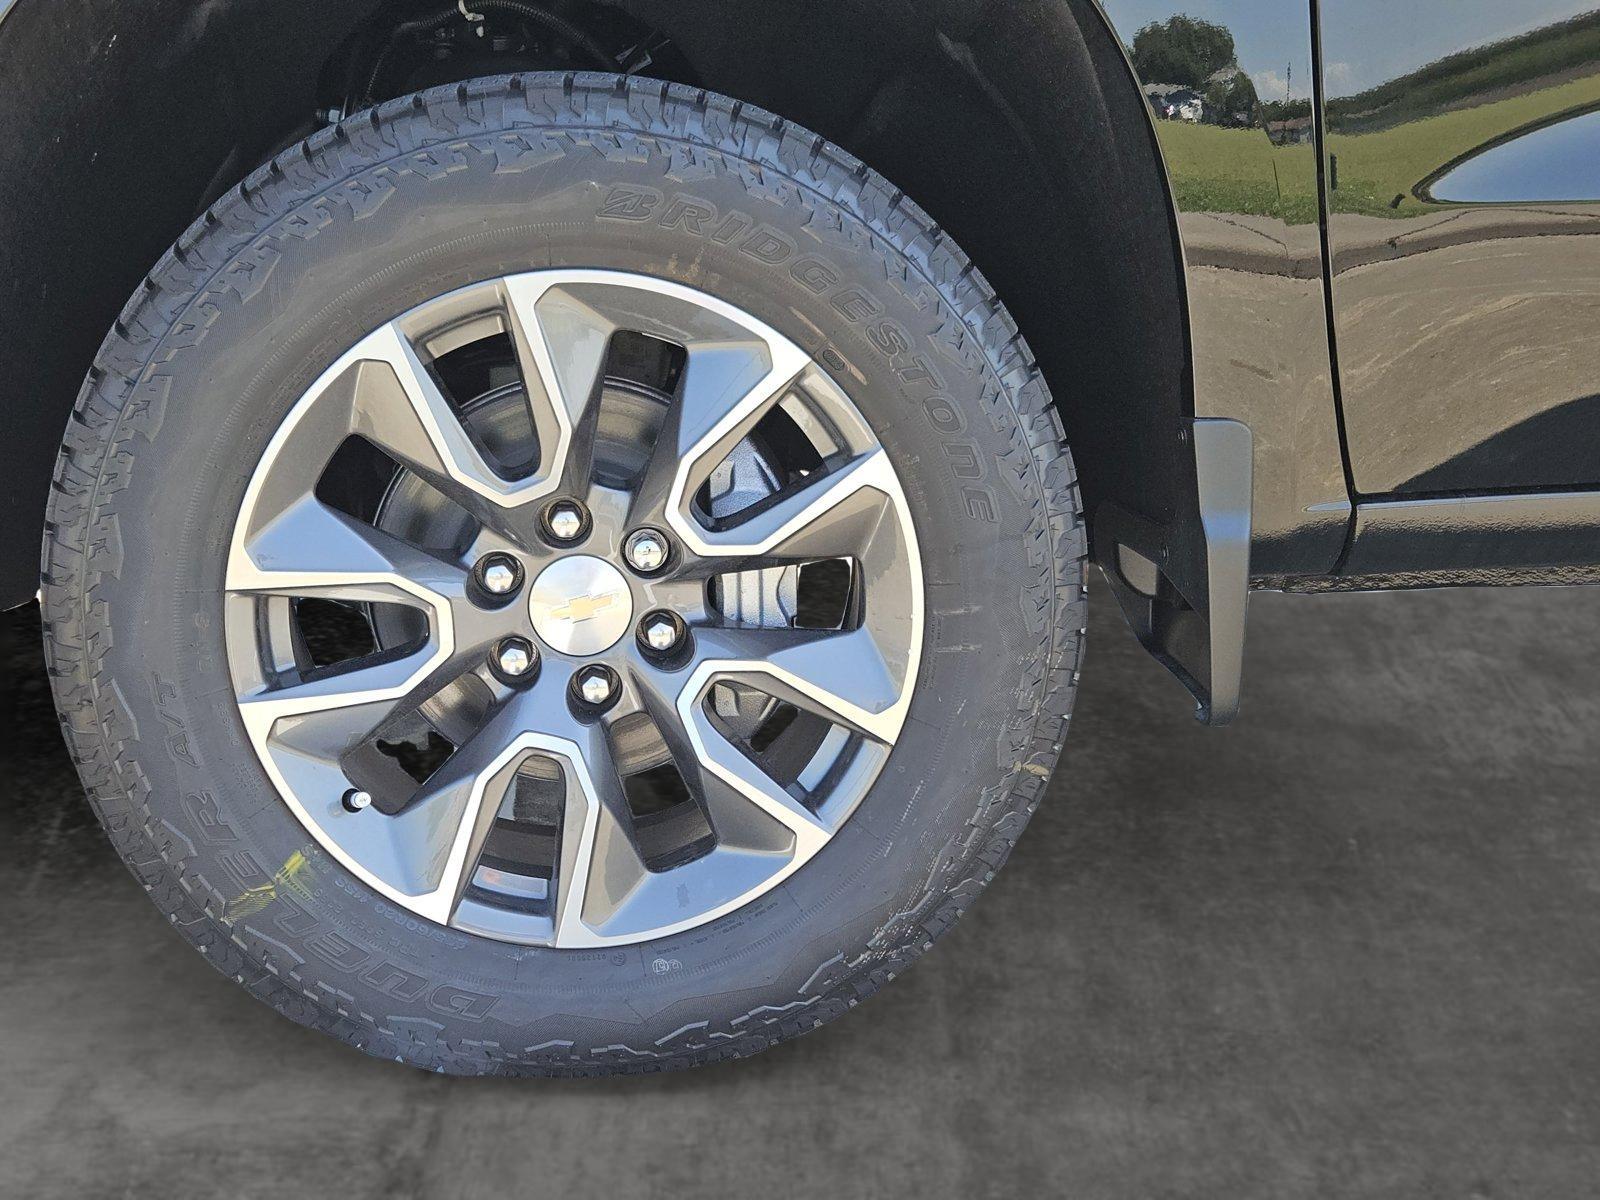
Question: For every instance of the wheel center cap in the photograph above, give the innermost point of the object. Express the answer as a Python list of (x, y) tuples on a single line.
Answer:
[(580, 605)]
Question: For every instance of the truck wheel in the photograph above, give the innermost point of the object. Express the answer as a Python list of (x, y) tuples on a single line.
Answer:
[(564, 575)]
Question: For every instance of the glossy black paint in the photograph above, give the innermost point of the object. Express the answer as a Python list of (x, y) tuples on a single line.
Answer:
[(1463, 231), (1463, 359), (1553, 533), (1246, 201)]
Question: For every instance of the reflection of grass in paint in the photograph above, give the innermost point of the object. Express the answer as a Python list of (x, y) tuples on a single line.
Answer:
[(1239, 171), (1232, 170)]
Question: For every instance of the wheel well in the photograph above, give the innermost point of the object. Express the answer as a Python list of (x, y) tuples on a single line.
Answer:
[(1017, 127)]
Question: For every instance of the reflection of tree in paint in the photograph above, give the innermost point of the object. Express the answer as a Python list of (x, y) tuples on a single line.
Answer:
[(1182, 50), (1198, 57)]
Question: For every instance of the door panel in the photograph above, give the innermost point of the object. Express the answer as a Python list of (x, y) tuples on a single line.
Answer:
[(1463, 141)]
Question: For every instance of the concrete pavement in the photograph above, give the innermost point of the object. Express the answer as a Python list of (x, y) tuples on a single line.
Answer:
[(1349, 947)]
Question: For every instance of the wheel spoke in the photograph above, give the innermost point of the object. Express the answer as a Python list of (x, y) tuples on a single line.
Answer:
[(727, 388), (764, 823), (561, 344), (409, 853), (601, 867), (449, 819), (828, 517), (396, 404), (734, 785), (747, 808), (842, 676), (310, 549), (332, 712), (831, 515)]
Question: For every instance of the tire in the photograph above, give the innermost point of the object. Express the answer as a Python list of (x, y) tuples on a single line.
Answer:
[(434, 191)]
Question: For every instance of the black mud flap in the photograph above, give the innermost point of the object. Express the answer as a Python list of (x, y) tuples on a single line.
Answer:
[(1184, 586)]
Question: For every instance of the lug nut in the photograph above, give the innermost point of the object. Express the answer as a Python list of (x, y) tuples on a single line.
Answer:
[(564, 520), (646, 550), (515, 657), (499, 574), (499, 578), (594, 685), (660, 632), (355, 800)]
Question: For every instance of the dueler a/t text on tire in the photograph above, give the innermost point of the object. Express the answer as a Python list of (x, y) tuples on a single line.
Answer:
[(663, 209)]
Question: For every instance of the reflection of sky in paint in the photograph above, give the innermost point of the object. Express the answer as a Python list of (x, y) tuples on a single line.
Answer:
[(1558, 162), (1365, 42)]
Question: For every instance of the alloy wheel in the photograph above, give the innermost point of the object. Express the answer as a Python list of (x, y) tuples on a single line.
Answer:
[(574, 608)]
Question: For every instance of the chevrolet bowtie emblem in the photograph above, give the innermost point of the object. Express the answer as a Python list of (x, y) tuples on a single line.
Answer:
[(583, 608)]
